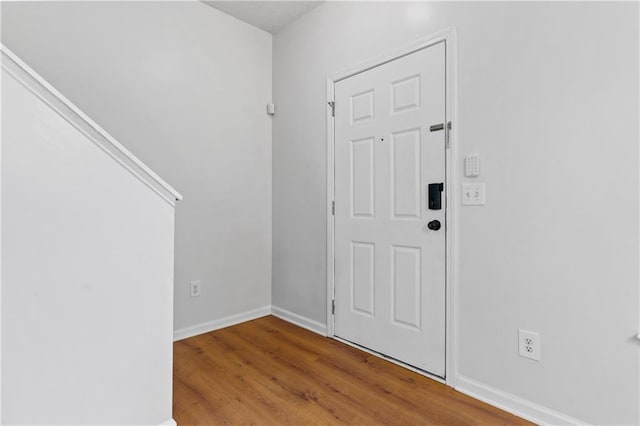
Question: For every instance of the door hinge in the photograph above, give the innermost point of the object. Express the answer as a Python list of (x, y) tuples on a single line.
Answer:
[(333, 307), (447, 135), (333, 108), (333, 208)]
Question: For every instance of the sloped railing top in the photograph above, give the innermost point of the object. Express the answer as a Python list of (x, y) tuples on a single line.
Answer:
[(74, 116)]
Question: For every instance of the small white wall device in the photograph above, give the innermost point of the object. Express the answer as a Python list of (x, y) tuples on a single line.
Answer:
[(472, 165), (271, 109)]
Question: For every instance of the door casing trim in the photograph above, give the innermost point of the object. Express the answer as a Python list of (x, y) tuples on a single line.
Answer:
[(447, 35)]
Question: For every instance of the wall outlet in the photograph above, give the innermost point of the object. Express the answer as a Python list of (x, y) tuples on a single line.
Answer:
[(529, 344), (195, 287), (473, 194)]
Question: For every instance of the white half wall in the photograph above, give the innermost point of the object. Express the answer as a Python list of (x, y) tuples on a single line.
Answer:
[(184, 87), (87, 278), (548, 95)]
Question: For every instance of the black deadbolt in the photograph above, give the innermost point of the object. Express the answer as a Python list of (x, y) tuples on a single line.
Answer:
[(434, 225), (435, 195)]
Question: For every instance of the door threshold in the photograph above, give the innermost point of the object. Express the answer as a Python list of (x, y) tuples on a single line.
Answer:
[(402, 364)]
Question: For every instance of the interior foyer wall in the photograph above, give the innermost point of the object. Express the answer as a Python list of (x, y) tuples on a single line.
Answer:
[(184, 87), (548, 95)]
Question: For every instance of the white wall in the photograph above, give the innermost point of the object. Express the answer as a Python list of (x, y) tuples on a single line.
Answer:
[(87, 279), (548, 94), (184, 87)]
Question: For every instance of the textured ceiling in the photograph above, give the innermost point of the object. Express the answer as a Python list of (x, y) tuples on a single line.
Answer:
[(271, 16)]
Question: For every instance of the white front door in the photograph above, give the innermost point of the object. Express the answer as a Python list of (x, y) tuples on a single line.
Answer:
[(389, 266)]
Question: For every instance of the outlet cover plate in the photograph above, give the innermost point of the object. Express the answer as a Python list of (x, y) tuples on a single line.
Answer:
[(529, 344), (195, 288)]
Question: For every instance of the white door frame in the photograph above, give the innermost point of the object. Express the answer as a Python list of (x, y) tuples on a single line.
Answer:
[(448, 36)]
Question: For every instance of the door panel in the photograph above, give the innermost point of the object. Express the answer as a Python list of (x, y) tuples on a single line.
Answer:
[(362, 279), (389, 268), (406, 283), (362, 177), (405, 174)]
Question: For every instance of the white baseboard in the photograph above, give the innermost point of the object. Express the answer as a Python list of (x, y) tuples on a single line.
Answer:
[(514, 404), (169, 422), (206, 327), (299, 320)]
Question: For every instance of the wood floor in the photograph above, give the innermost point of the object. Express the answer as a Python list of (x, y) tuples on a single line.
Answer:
[(270, 372)]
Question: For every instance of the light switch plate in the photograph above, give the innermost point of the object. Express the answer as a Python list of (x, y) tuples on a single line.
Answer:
[(473, 194)]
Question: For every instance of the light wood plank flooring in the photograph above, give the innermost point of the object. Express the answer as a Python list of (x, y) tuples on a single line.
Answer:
[(270, 372)]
